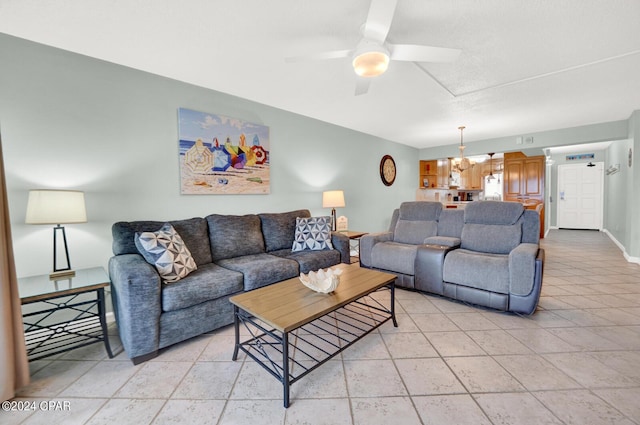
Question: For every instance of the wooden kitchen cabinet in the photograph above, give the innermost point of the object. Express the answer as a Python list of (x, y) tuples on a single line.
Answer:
[(523, 177), (443, 173), (476, 176), (429, 172), (472, 178), (524, 181), (436, 171)]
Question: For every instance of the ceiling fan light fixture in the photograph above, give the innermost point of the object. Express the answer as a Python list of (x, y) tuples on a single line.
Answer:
[(370, 60)]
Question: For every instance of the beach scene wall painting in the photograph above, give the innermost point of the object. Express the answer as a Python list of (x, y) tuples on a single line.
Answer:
[(222, 155)]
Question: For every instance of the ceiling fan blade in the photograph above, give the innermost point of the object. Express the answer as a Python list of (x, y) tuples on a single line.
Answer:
[(379, 19), (418, 53), (334, 54), (362, 85)]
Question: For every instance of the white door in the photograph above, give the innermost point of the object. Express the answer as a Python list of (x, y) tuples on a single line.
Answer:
[(580, 196)]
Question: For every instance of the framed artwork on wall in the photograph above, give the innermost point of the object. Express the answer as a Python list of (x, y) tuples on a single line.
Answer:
[(221, 155)]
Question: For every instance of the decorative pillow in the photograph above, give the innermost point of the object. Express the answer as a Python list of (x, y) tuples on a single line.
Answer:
[(312, 233), (166, 250)]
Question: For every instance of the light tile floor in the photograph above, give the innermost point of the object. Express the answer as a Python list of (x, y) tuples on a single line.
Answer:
[(575, 361)]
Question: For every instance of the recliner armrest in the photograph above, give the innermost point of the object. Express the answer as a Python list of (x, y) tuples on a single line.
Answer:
[(429, 267), (135, 291), (366, 245), (522, 266)]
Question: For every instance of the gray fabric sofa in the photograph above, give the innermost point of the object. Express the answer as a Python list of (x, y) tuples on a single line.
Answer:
[(487, 254), (232, 254)]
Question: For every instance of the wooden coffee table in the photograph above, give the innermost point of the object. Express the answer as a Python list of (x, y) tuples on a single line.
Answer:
[(292, 330)]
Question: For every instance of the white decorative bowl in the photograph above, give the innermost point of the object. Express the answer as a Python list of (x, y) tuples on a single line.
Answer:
[(321, 281)]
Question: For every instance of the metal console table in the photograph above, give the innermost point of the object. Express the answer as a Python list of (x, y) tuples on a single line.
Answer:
[(63, 314)]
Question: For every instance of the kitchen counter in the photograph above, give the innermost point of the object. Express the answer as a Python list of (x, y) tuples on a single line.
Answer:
[(455, 204)]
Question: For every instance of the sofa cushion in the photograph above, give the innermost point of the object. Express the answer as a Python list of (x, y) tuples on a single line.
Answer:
[(312, 233), (450, 222), (278, 229), (194, 232), (310, 260), (166, 250), (491, 238), (209, 282), (394, 257), (493, 212), (414, 232), (261, 269), (234, 235), (489, 272)]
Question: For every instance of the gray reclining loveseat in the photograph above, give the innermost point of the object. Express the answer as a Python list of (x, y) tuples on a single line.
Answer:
[(232, 254), (487, 254)]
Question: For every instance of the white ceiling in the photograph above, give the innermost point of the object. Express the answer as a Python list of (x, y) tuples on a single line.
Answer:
[(526, 65)]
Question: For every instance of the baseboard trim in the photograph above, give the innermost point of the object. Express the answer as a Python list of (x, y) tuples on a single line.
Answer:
[(110, 317), (627, 257)]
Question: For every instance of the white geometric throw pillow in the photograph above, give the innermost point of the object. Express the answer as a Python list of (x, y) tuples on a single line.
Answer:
[(312, 233), (166, 250)]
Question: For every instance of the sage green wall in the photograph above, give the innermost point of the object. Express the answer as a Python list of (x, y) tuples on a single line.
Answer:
[(69, 121), (618, 193), (633, 208)]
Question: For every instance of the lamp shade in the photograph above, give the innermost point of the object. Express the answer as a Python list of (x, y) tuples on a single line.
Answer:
[(55, 207), (333, 199)]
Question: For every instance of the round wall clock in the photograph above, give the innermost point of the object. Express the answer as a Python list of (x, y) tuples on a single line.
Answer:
[(387, 170)]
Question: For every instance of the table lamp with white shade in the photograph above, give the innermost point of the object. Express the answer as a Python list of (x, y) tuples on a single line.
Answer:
[(46, 206), (333, 199)]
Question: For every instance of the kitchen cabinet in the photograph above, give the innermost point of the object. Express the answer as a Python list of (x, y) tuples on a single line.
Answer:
[(436, 172), (472, 178), (523, 177), (443, 173), (428, 173), (524, 181), (476, 176)]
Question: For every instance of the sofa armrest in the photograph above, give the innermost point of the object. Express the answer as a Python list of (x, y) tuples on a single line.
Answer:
[(340, 242), (429, 267), (135, 291), (522, 267), (366, 245)]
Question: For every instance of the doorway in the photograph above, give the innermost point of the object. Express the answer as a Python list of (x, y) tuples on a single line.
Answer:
[(580, 196)]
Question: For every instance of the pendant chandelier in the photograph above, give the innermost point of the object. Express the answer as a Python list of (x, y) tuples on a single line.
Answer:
[(490, 176), (464, 163)]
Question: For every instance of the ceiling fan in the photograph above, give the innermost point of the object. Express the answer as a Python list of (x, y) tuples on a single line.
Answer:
[(373, 53)]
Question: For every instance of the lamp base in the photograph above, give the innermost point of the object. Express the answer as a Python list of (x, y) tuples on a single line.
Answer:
[(334, 224), (62, 274)]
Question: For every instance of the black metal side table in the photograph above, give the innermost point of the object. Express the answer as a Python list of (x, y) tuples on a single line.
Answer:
[(354, 243), (64, 314)]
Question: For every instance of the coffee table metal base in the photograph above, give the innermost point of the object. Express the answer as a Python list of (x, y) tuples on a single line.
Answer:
[(289, 356)]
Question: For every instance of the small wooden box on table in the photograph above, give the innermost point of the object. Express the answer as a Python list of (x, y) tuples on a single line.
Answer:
[(293, 330)]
